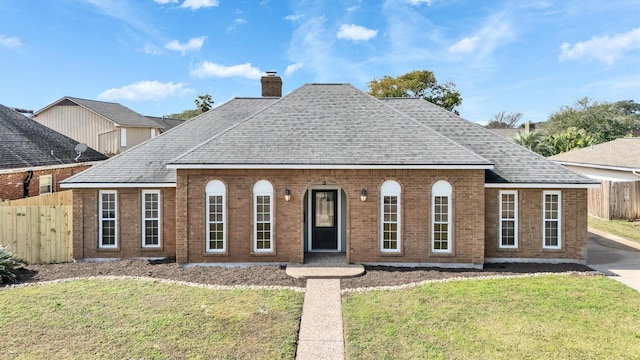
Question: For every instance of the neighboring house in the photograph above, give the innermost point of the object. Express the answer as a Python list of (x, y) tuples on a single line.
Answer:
[(34, 159), (329, 168), (510, 133), (107, 127), (616, 164), (168, 123)]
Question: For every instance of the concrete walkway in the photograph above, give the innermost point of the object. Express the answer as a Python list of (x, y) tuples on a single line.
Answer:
[(615, 257)]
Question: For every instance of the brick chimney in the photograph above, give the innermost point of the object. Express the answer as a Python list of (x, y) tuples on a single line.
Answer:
[(271, 85)]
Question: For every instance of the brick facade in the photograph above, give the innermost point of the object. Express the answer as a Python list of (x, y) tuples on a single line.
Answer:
[(11, 183), (530, 222)]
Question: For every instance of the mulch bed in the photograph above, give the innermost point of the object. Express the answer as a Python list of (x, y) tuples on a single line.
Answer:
[(268, 275)]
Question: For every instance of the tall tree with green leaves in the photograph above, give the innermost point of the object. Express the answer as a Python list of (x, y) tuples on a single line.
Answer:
[(418, 83), (204, 102)]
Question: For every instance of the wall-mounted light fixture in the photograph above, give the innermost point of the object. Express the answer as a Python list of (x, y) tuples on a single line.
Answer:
[(363, 195), (287, 195)]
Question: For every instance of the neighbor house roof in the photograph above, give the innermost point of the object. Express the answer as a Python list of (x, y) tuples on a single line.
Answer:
[(116, 113), (327, 126), (623, 153), (167, 123), (25, 143)]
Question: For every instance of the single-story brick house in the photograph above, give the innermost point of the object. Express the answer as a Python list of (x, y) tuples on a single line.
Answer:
[(328, 168)]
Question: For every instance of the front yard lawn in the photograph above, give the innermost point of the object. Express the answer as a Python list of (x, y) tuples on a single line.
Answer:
[(629, 230), (132, 319), (546, 317)]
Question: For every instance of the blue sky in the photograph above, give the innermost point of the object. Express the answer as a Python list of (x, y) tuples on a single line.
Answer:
[(156, 56)]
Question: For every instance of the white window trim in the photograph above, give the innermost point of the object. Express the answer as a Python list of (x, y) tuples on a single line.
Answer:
[(262, 188), (391, 188), (515, 219), (50, 177), (438, 192), (144, 218), (544, 220), (100, 218), (123, 137), (216, 188), (153, 133)]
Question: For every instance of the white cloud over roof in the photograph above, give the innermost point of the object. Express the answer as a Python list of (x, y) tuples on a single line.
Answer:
[(210, 69), (293, 68), (603, 48), (193, 44), (145, 90), (356, 33)]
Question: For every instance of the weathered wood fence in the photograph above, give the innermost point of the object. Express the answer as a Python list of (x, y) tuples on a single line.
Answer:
[(38, 229), (615, 200)]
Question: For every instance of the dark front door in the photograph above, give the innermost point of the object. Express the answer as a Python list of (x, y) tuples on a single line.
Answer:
[(324, 220)]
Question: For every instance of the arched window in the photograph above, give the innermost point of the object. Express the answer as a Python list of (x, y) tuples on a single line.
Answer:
[(216, 216), (390, 215), (441, 216), (263, 216)]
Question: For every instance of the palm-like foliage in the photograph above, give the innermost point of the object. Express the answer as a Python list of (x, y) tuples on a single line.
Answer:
[(533, 141), (8, 265)]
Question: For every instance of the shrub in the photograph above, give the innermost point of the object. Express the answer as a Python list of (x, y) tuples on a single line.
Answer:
[(8, 265)]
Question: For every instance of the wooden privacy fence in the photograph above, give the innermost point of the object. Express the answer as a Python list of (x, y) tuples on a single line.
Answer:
[(38, 229), (615, 200)]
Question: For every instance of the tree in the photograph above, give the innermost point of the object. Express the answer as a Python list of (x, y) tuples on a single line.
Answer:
[(603, 121), (185, 115), (533, 141), (571, 138), (204, 102), (418, 83), (504, 120)]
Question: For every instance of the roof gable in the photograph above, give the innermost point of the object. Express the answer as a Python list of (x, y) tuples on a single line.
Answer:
[(621, 153), (330, 125), (27, 143)]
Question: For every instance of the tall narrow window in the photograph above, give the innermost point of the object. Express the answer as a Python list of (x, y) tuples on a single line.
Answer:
[(508, 227), (45, 184), (552, 233), (263, 216), (441, 217), (390, 215), (123, 137), (151, 218), (216, 216), (108, 219)]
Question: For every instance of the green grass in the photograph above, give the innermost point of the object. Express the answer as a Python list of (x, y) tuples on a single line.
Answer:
[(549, 317), (629, 230), (130, 319)]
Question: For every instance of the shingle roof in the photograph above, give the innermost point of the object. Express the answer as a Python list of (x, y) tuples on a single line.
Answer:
[(623, 153), (146, 163), (330, 124), (167, 123), (26, 143), (119, 114), (513, 163)]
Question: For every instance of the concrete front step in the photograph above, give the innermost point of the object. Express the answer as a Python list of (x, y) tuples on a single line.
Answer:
[(324, 272)]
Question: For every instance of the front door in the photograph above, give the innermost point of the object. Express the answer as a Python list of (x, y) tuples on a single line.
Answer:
[(324, 221)]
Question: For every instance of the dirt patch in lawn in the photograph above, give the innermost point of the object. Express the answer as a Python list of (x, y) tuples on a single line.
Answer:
[(268, 275)]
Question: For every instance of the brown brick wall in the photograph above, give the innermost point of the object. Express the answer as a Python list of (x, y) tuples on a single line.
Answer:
[(11, 184), (574, 226), (363, 224), (85, 225)]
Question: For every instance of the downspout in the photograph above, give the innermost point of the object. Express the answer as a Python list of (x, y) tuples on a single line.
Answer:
[(26, 182), (635, 172)]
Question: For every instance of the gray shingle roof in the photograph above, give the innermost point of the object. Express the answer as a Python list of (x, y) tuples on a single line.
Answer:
[(26, 143), (167, 123), (146, 163), (119, 114), (513, 163), (330, 124), (623, 153)]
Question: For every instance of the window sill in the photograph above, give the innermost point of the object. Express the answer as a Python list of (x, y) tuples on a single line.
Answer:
[(442, 254), (551, 250), (501, 249), (391, 253), (266, 253), (108, 249), (152, 248), (215, 254)]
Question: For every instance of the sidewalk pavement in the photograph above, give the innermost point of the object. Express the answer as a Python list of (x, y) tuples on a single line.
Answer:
[(615, 257)]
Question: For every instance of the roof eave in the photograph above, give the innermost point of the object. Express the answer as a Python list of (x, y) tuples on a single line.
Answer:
[(597, 166), (96, 185), (542, 185), (334, 166)]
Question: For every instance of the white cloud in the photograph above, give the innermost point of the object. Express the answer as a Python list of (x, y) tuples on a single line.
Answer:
[(197, 4), (496, 32), (418, 2), (356, 33), (293, 17), (293, 68), (145, 90), (150, 49), (467, 44), (209, 69), (236, 23), (603, 48), (10, 42), (165, 1), (193, 44)]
